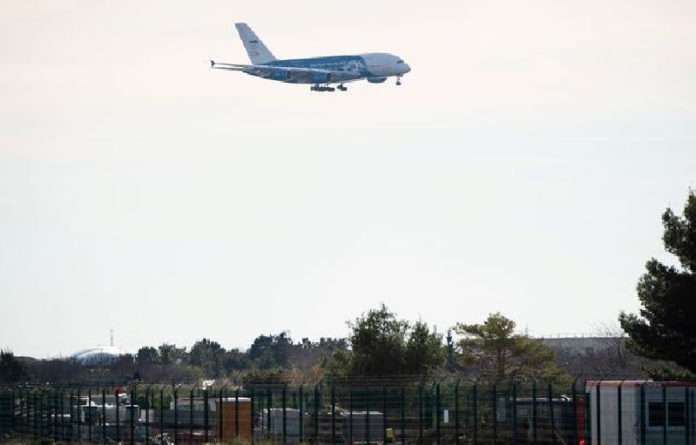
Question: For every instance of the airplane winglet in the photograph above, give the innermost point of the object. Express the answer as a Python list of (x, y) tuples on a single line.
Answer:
[(212, 63)]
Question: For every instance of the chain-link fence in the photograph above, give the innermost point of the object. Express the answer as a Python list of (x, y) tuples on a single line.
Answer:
[(445, 412)]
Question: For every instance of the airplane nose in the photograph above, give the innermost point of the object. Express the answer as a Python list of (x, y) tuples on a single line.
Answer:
[(407, 68)]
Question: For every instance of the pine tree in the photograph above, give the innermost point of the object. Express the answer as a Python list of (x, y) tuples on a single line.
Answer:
[(498, 354), (665, 328)]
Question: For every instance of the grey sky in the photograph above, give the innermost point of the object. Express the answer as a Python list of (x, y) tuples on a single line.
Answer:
[(522, 167)]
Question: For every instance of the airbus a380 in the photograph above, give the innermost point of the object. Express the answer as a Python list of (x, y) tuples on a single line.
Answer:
[(320, 72)]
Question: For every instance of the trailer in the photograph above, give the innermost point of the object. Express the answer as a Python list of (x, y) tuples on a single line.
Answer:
[(641, 412)]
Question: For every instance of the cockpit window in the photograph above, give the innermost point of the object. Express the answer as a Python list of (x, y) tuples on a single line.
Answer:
[(399, 61)]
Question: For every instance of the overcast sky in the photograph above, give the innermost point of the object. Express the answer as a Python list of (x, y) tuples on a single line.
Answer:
[(522, 167)]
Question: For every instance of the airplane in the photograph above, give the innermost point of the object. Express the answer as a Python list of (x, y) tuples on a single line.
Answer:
[(320, 72)]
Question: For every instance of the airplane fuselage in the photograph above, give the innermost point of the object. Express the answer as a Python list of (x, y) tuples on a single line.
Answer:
[(375, 67)]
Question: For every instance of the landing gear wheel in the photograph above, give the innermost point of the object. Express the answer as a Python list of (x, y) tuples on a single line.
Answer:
[(318, 87), (398, 82), (341, 87)]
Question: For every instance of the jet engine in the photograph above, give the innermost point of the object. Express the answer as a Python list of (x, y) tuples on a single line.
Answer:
[(376, 79)]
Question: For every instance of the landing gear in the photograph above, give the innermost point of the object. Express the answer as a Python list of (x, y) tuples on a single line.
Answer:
[(318, 87), (398, 81), (341, 87)]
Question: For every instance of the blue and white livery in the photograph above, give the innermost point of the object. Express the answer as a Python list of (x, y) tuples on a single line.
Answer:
[(320, 72)]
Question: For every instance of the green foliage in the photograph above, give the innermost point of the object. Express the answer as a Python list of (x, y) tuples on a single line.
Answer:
[(424, 350), (209, 356), (265, 377), (170, 354), (147, 355), (666, 372), (499, 354), (236, 360), (11, 369), (381, 345), (665, 328), (271, 351)]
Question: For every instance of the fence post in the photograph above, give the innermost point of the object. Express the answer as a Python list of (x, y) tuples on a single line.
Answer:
[(475, 412), (316, 414), (39, 407), (20, 420), (642, 413), (598, 416), (420, 414), (175, 394), (350, 415), (687, 414), (514, 413), (79, 417), (494, 408), (253, 417), (191, 415), (236, 412), (588, 415), (575, 412), (89, 412), (206, 414), (56, 423), (103, 414), (456, 413), (52, 413), (132, 416), (437, 413), (664, 414), (13, 420), (148, 404), (161, 428), (220, 410), (367, 417), (269, 403), (403, 415), (553, 426), (71, 421), (299, 396), (534, 411), (57, 405), (118, 416), (333, 414), (285, 403), (619, 419), (384, 414)]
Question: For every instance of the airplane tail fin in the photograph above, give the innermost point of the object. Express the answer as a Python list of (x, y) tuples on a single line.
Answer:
[(258, 53)]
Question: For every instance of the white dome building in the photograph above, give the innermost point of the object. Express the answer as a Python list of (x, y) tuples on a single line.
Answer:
[(101, 355)]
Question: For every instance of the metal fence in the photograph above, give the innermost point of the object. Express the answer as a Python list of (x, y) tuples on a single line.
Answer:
[(433, 413)]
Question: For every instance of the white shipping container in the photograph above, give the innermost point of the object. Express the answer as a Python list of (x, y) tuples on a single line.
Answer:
[(641, 412)]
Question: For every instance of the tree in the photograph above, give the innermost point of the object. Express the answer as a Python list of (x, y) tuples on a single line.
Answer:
[(424, 350), (664, 329), (499, 354), (271, 351), (147, 355), (377, 344), (236, 360), (11, 369), (209, 356), (382, 345), (170, 354)]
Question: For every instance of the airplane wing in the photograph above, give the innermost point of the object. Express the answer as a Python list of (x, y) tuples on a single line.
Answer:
[(287, 72)]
